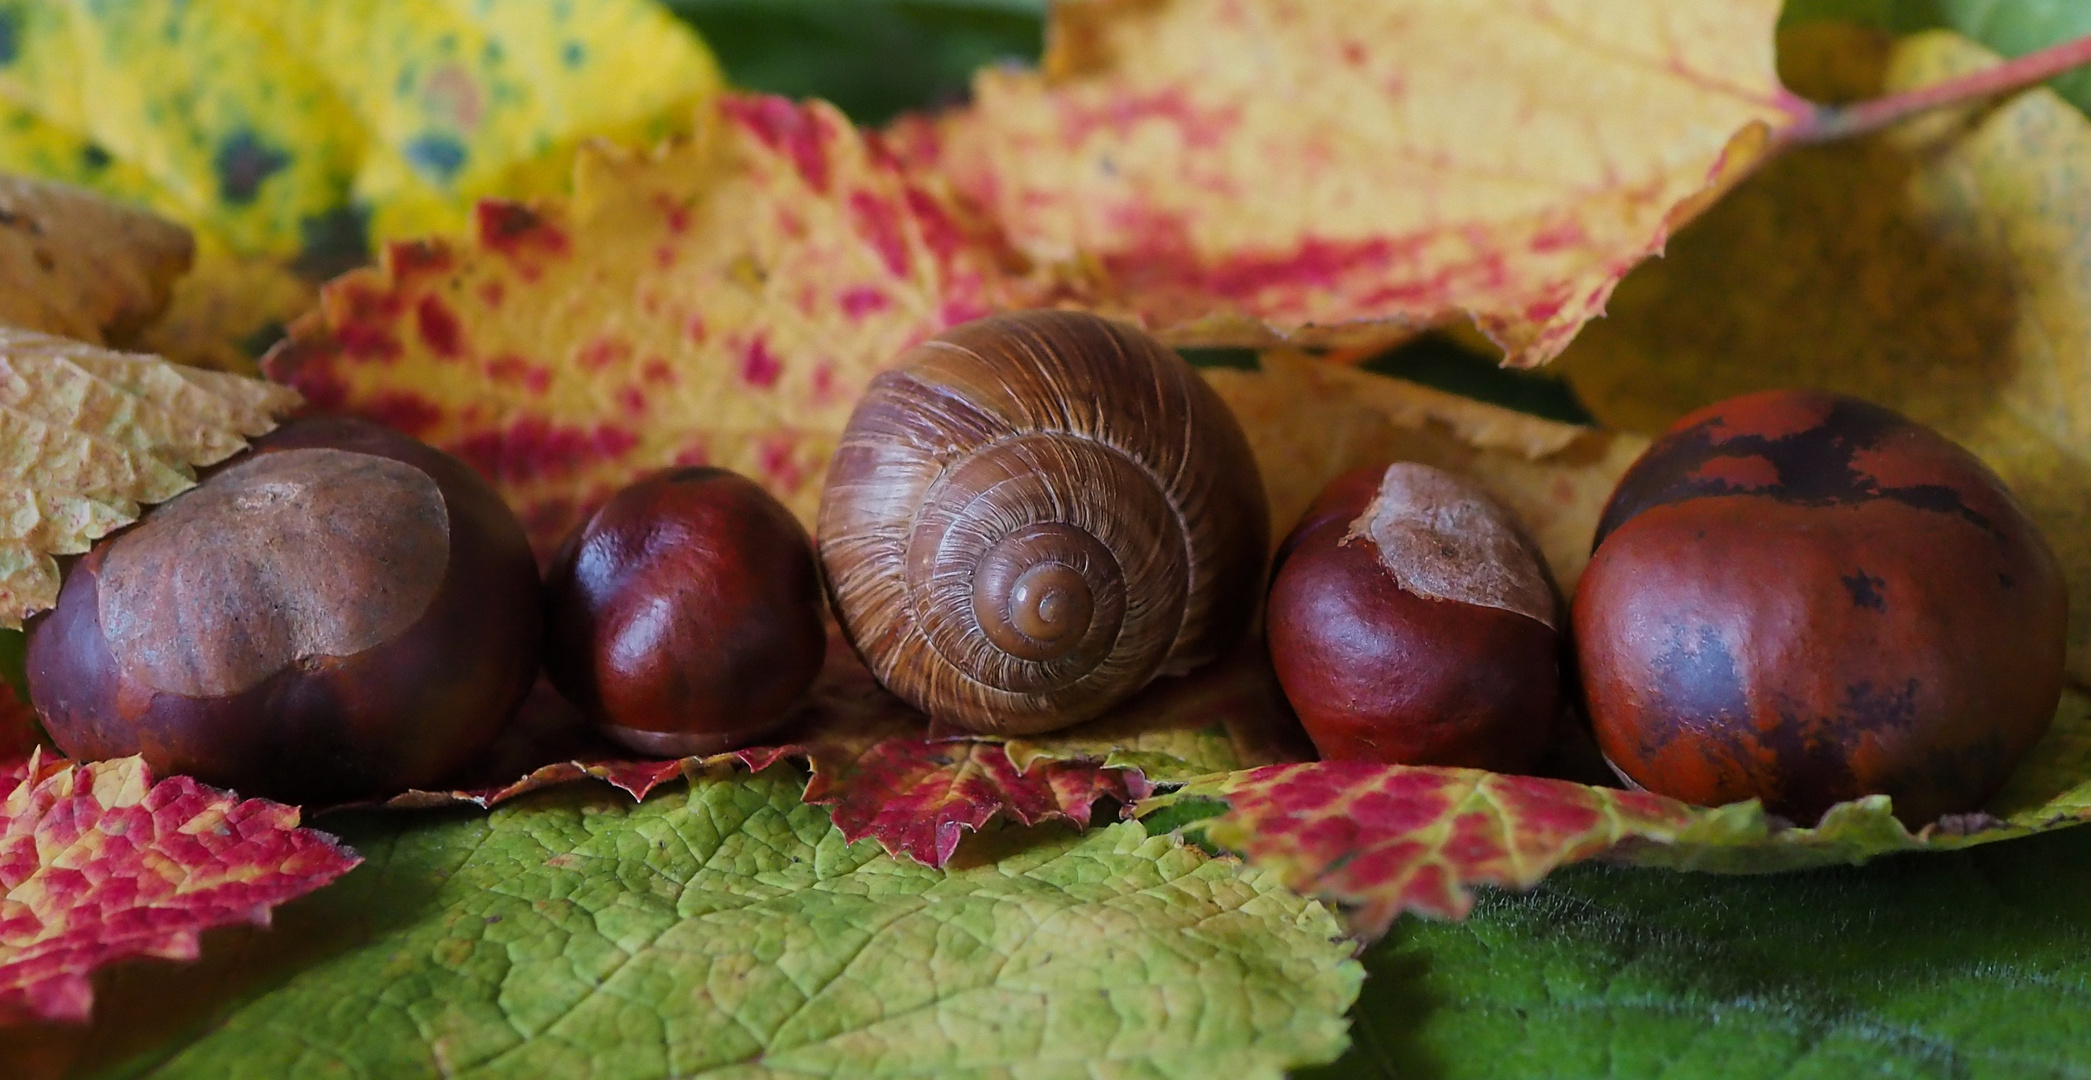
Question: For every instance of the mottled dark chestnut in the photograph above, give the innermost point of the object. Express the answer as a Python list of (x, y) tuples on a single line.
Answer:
[(341, 612), (686, 613), (1412, 622), (1804, 598)]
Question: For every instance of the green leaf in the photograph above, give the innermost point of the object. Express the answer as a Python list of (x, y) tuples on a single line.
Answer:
[(872, 58), (2021, 26), (1970, 965), (727, 929)]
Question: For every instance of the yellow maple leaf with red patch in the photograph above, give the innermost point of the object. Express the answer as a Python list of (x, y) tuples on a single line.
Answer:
[(1310, 171), (723, 301)]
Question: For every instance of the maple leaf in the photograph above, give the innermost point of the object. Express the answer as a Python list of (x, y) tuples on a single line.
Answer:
[(724, 301), (94, 433), (1329, 172), (99, 863), (82, 266), (1391, 838), (286, 132), (1384, 839), (1942, 268), (727, 929), (874, 762)]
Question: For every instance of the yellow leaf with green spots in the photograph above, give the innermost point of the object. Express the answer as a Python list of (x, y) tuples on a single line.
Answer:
[(289, 136)]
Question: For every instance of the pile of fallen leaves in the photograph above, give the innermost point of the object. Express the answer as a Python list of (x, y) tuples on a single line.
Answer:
[(1317, 181)]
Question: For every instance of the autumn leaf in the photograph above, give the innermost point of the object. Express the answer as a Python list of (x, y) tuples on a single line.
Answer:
[(1384, 839), (875, 764), (81, 266), (728, 929), (100, 863), (1341, 172), (723, 302), (1227, 716), (287, 133), (92, 434), (1942, 268)]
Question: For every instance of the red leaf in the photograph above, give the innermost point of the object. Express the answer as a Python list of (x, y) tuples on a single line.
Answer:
[(99, 863)]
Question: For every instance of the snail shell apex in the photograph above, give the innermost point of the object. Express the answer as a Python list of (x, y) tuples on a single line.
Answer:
[(1033, 515)]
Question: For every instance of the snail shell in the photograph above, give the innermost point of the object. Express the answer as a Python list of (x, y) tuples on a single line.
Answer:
[(1033, 515)]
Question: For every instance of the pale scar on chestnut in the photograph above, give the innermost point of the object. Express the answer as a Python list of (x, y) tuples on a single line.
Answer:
[(1441, 542), (265, 550)]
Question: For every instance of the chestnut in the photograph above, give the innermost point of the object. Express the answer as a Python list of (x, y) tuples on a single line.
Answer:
[(685, 614), (1803, 598), (1413, 622), (341, 612)]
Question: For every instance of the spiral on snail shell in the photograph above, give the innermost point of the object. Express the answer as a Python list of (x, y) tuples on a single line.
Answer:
[(1031, 516)]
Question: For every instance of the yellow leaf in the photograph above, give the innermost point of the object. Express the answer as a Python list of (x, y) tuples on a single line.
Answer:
[(86, 434), (463, 100), (286, 132), (74, 264), (1331, 171), (1309, 422), (1942, 268), (725, 301)]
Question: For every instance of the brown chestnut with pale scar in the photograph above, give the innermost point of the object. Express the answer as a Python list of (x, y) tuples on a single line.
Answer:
[(686, 613), (343, 612), (1413, 622), (1804, 598)]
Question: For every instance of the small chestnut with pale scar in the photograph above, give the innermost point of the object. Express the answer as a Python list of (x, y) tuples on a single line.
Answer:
[(342, 612), (1413, 622), (686, 613), (1804, 598)]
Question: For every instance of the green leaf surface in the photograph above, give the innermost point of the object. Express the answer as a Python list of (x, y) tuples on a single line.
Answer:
[(727, 930), (1971, 965)]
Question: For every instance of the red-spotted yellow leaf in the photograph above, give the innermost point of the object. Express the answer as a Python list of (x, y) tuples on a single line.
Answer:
[(99, 863), (1383, 839), (1327, 171), (724, 301)]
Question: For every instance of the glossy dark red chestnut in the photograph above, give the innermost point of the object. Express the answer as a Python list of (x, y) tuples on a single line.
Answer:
[(1412, 622), (342, 612), (686, 613), (1803, 598)]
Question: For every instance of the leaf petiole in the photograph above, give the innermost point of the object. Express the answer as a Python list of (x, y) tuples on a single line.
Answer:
[(1828, 123)]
